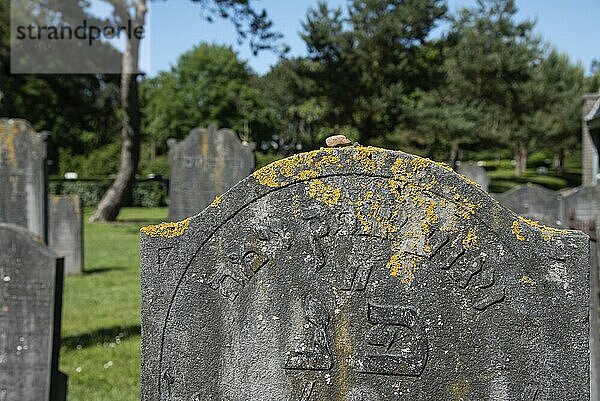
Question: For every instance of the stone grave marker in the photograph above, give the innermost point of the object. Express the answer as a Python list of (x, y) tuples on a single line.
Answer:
[(23, 179), (581, 208), (205, 164), (534, 202), (362, 274), (30, 314), (65, 230), (475, 173)]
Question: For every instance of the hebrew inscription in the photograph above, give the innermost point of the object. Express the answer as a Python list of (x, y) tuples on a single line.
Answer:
[(399, 339), (362, 274)]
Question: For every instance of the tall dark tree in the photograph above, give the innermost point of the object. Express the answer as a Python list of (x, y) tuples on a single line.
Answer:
[(249, 24), (491, 61), (554, 93), (367, 62)]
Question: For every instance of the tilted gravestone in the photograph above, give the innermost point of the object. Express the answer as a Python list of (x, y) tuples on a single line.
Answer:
[(475, 173), (30, 312), (534, 202), (362, 274), (205, 164), (65, 230), (23, 182)]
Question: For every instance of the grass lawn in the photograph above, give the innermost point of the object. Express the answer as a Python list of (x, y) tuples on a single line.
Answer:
[(101, 324)]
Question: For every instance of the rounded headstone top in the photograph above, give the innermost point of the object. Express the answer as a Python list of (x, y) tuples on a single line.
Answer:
[(416, 178), (336, 141)]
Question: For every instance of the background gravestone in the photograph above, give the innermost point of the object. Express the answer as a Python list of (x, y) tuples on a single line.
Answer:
[(581, 210), (30, 313), (205, 164), (534, 202), (475, 173), (581, 205), (23, 179), (362, 274), (65, 230)]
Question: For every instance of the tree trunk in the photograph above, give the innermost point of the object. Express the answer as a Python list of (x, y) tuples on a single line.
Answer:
[(120, 190), (454, 151), (520, 160), (560, 161)]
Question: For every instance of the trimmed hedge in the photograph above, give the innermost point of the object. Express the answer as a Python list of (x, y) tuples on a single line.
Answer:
[(146, 193)]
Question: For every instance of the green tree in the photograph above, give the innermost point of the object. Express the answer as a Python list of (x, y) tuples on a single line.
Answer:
[(555, 93), (592, 82), (491, 61), (367, 62), (208, 85), (249, 24)]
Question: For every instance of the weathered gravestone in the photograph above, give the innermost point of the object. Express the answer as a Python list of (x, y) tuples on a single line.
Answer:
[(581, 207), (475, 173), (534, 202), (23, 183), (65, 230), (362, 274), (205, 164), (30, 312)]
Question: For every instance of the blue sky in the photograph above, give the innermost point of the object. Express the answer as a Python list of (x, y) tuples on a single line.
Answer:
[(176, 25)]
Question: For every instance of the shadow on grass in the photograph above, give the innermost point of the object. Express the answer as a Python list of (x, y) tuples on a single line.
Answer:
[(100, 270), (114, 334)]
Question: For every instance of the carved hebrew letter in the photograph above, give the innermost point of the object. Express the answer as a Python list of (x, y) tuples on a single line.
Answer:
[(400, 341), (319, 229), (317, 356), (228, 280)]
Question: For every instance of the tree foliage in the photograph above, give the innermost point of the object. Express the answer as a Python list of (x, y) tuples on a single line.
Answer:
[(209, 85)]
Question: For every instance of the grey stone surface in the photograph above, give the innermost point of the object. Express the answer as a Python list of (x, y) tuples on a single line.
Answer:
[(23, 179), (362, 274), (65, 230), (204, 165), (581, 207), (581, 211), (30, 311), (595, 320), (475, 173), (534, 202)]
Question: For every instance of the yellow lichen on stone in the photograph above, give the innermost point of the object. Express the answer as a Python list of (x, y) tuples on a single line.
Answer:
[(470, 239), (516, 230), (327, 160), (287, 170), (7, 142), (167, 230), (365, 156), (306, 175), (528, 280), (402, 267), (548, 233), (324, 193), (217, 201), (267, 176)]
